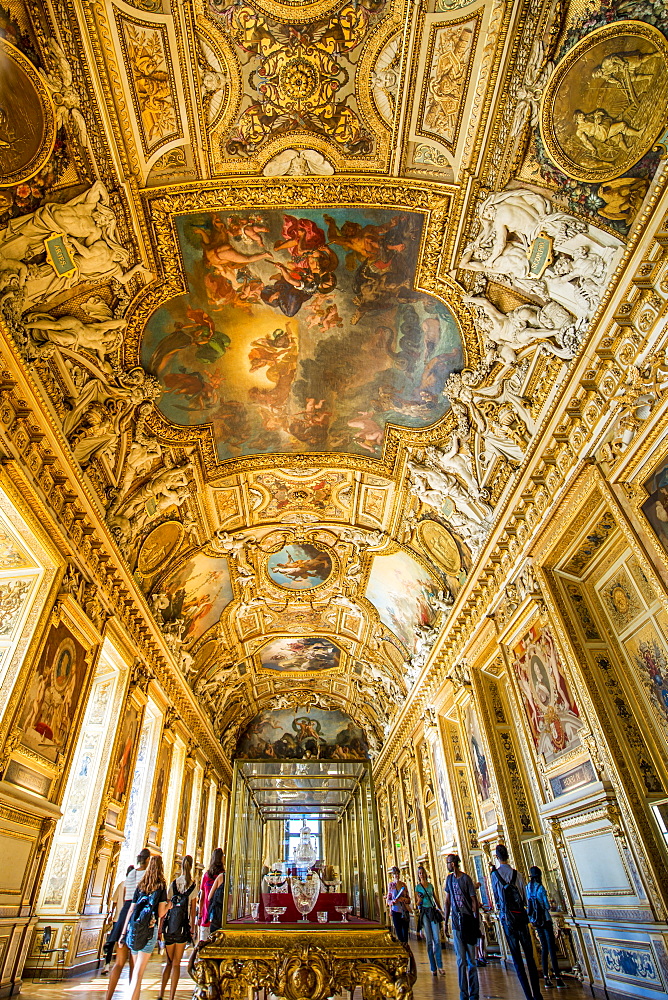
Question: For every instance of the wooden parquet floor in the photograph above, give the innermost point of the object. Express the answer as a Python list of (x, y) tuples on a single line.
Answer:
[(496, 983)]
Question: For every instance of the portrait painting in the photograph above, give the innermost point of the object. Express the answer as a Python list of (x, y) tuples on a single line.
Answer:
[(300, 566), (186, 802), (51, 703), (301, 333), (28, 121), (401, 590), (648, 650), (295, 735), (449, 55), (417, 804), (203, 812), (655, 508), (604, 105), (554, 717), (161, 782), (290, 654), (478, 756), (121, 770), (197, 592), (443, 790)]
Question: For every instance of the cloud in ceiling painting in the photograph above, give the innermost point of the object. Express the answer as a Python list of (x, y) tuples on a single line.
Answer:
[(401, 591), (302, 333)]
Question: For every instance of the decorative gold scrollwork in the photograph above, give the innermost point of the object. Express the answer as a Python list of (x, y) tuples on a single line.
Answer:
[(290, 966)]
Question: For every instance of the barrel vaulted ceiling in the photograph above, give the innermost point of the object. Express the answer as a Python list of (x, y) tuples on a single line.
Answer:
[(298, 282)]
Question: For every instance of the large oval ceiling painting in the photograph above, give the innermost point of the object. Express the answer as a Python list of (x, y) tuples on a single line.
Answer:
[(301, 332)]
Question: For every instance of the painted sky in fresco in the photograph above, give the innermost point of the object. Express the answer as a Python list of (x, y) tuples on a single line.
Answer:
[(290, 654), (301, 333), (401, 589), (300, 567), (198, 591)]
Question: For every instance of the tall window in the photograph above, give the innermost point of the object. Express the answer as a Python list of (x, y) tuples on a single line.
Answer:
[(293, 831)]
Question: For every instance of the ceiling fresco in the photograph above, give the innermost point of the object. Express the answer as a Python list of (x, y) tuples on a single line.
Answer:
[(290, 655), (298, 284), (301, 333)]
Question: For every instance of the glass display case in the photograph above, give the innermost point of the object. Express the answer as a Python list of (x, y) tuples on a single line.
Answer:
[(303, 845)]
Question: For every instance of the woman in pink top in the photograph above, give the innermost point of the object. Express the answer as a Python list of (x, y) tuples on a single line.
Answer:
[(216, 866)]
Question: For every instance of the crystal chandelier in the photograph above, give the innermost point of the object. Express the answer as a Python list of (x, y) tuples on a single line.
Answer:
[(305, 854)]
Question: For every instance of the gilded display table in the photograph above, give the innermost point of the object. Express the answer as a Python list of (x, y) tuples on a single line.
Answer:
[(295, 964)]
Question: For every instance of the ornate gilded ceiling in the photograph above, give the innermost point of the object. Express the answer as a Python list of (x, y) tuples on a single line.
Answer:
[(298, 283)]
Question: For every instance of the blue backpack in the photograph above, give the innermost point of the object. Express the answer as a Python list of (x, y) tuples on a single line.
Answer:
[(141, 924)]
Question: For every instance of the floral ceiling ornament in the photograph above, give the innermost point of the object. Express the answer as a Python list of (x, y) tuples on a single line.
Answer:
[(303, 76)]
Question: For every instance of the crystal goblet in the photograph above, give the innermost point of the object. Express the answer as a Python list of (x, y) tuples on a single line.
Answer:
[(275, 912), (305, 894), (344, 911)]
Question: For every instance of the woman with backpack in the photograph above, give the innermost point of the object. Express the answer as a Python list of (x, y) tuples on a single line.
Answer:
[(538, 909), (216, 867), (149, 906), (430, 919), (176, 930)]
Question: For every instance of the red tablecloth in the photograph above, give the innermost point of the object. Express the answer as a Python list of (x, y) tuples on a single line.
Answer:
[(326, 901)]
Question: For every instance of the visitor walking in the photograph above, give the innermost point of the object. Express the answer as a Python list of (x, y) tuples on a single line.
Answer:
[(119, 911), (149, 906), (538, 909), (510, 897), (399, 901), (123, 954), (429, 920), (461, 901), (216, 867), (177, 928)]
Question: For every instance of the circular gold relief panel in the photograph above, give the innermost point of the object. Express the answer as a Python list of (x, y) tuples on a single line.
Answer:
[(605, 103), (27, 118)]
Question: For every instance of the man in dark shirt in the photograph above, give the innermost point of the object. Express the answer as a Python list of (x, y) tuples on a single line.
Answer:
[(515, 923), (461, 900)]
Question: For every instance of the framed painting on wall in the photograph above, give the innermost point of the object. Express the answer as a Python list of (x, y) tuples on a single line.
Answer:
[(478, 755), (56, 693), (553, 715), (120, 778), (655, 507), (160, 790)]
